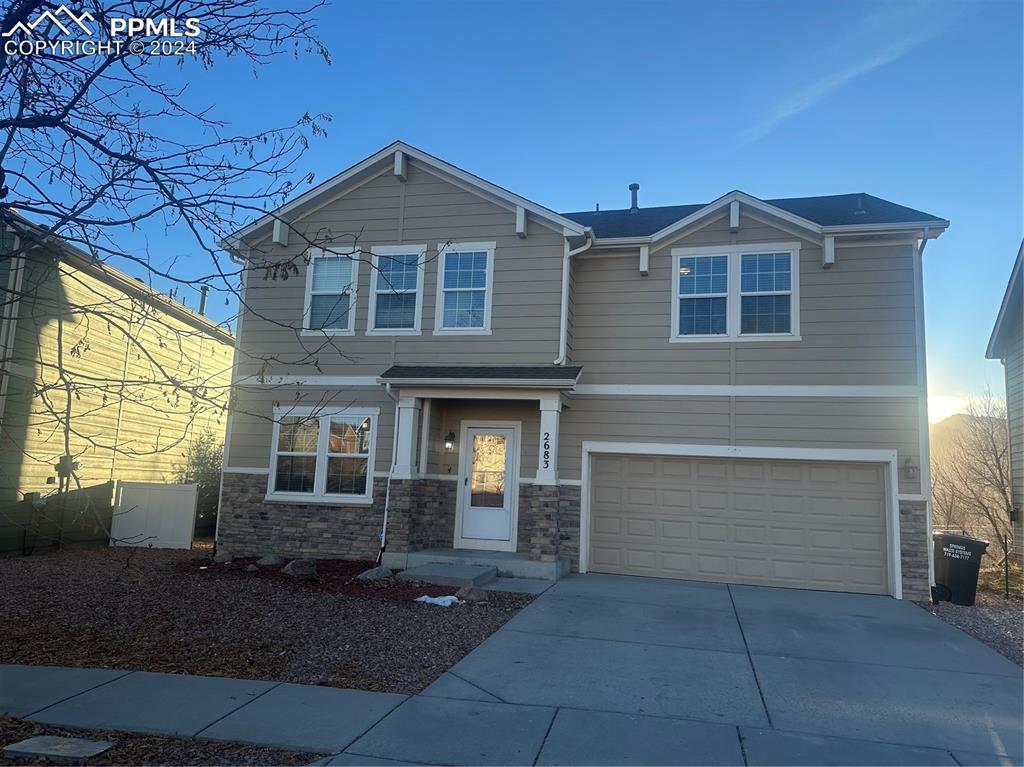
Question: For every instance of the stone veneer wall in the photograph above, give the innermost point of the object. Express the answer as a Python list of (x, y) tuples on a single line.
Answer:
[(569, 525), (549, 522), (915, 550), (252, 526), (422, 515)]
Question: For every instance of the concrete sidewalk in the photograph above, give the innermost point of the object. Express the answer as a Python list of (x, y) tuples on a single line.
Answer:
[(609, 670)]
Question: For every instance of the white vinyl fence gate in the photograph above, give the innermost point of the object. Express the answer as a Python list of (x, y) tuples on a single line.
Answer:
[(154, 515)]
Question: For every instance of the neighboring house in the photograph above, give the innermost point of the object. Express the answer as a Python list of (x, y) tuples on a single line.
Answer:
[(1006, 344), (124, 345), (729, 392)]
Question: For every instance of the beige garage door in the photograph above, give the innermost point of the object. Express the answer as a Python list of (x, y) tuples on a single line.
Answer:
[(802, 524)]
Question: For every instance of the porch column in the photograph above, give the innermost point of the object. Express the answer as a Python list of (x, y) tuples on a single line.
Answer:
[(547, 453), (405, 447)]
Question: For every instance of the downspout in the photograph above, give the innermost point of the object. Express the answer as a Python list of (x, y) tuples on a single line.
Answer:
[(387, 492), (922, 404), (563, 328)]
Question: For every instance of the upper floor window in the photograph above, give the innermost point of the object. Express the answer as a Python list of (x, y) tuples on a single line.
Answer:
[(323, 454), (331, 280), (736, 292), (396, 300), (766, 293), (464, 288), (703, 295)]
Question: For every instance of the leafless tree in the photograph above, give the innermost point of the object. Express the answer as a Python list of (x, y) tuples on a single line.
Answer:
[(96, 148), (971, 474)]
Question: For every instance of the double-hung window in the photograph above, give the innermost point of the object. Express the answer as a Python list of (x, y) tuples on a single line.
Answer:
[(766, 293), (396, 298), (736, 293), (331, 280), (464, 288), (323, 455), (703, 295)]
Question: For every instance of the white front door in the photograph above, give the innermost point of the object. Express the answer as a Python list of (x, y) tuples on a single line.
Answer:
[(488, 480)]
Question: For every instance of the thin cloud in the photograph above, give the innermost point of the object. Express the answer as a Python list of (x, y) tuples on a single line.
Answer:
[(901, 28)]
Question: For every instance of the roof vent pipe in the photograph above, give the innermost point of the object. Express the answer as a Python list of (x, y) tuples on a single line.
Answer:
[(633, 189), (203, 294)]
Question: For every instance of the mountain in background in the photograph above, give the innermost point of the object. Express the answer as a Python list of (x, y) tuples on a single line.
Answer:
[(947, 431)]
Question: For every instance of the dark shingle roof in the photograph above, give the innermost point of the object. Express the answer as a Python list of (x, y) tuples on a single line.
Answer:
[(832, 210), (482, 372)]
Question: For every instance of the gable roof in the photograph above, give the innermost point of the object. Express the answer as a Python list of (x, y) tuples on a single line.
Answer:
[(842, 213), (836, 210), (336, 184), (1009, 310)]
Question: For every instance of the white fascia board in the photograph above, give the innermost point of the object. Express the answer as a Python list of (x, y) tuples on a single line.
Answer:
[(931, 229), (726, 201), (387, 155)]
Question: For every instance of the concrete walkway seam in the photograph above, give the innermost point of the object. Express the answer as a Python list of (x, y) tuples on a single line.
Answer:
[(232, 711), (80, 692), (750, 659)]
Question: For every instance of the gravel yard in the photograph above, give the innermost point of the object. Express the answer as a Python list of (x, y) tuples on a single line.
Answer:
[(151, 750), (176, 611), (994, 620)]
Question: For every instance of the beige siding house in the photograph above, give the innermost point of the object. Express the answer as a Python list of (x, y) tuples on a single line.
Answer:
[(147, 374), (1007, 344), (732, 391)]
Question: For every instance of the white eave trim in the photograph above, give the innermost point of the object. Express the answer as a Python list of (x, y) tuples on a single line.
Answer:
[(334, 185), (931, 229)]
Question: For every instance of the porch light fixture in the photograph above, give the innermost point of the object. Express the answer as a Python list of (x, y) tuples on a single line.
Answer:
[(909, 469), (449, 441)]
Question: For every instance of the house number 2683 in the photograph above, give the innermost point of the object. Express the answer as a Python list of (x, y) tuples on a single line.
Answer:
[(546, 455)]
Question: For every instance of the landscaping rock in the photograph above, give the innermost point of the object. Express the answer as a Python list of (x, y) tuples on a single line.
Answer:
[(375, 574), (471, 594), (252, 569), (300, 568), (270, 560), (223, 558)]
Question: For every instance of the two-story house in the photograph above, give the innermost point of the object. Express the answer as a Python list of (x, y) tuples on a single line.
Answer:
[(731, 391)]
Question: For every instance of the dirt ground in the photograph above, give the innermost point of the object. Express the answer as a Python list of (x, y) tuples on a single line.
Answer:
[(177, 611)]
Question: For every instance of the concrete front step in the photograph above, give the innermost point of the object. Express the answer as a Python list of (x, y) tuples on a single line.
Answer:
[(509, 564), (444, 574)]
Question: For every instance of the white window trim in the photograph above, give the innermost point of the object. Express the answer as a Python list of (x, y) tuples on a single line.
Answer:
[(679, 297), (396, 250), (313, 254), (734, 252), (443, 251), (319, 496)]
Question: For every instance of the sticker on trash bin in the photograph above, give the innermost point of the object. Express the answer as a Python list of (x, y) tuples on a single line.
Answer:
[(956, 551)]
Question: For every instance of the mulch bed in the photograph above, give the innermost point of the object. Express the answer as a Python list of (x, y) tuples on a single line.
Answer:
[(176, 611), (129, 748), (994, 620)]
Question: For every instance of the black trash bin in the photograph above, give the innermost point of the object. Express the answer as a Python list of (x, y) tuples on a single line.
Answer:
[(957, 560)]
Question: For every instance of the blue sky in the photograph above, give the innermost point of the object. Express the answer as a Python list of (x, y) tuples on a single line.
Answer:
[(566, 103)]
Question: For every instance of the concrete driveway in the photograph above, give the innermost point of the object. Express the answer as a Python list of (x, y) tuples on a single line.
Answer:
[(619, 670)]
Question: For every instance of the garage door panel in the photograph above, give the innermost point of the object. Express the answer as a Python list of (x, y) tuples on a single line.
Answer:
[(786, 523)]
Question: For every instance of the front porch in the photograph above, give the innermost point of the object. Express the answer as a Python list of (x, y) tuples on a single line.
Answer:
[(476, 468)]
